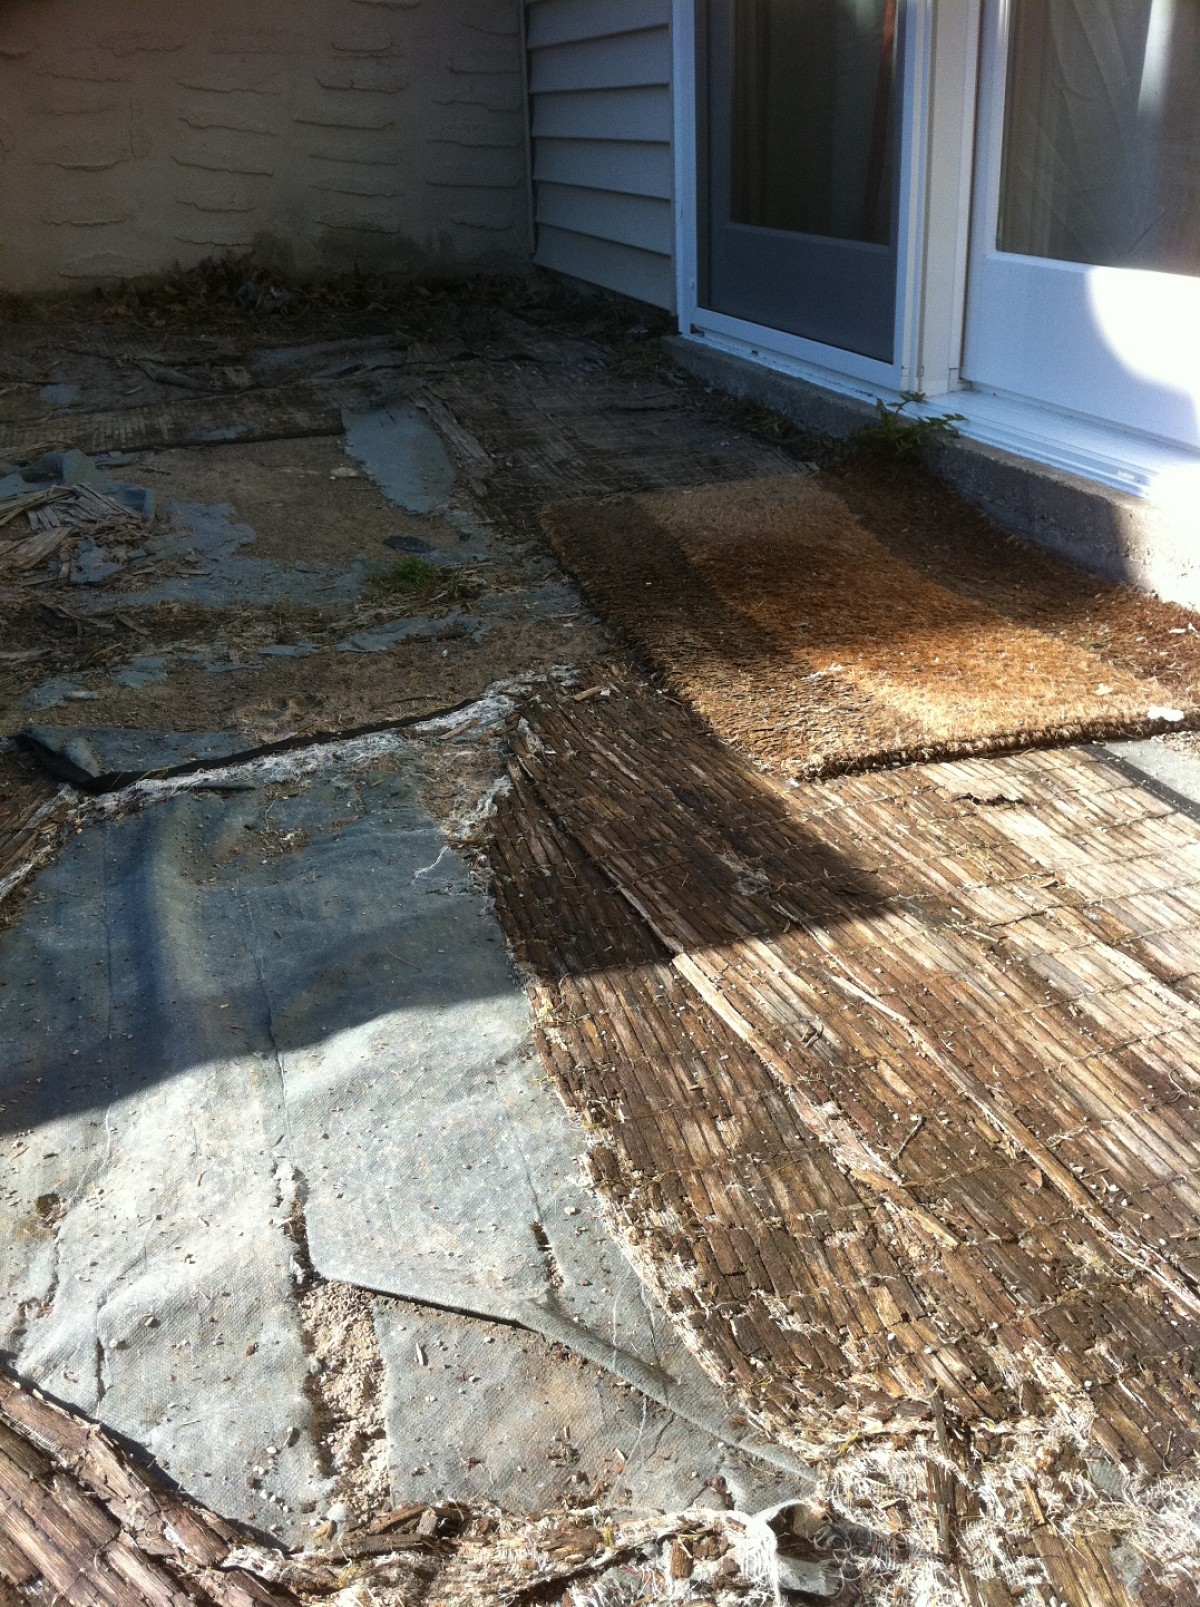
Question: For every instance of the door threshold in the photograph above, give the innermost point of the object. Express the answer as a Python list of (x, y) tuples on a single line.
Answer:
[(1124, 460), (1122, 505)]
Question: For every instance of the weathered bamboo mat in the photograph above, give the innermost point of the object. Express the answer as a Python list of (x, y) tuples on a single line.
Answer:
[(579, 431), (82, 1526), (240, 416), (892, 1084), (79, 1524), (32, 809), (817, 646)]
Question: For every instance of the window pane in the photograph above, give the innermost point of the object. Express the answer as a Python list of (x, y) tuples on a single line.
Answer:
[(813, 88), (1102, 135)]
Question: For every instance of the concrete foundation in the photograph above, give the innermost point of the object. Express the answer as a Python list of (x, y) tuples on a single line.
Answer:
[(1111, 533)]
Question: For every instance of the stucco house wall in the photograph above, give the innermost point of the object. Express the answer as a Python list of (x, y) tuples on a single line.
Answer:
[(388, 134)]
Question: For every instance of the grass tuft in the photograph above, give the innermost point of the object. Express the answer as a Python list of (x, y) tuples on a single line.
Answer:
[(899, 435), (414, 577), (409, 577)]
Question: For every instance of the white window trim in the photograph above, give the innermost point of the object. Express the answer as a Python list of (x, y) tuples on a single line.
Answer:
[(941, 45)]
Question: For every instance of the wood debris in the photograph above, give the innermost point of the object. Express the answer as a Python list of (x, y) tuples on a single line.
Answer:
[(81, 1526), (13, 507), (56, 516)]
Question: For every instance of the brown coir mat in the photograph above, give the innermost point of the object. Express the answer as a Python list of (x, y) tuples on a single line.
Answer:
[(806, 618)]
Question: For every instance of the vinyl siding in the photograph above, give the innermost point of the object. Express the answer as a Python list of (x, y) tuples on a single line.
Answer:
[(601, 122)]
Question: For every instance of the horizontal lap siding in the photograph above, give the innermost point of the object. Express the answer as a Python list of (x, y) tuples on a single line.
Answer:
[(601, 119)]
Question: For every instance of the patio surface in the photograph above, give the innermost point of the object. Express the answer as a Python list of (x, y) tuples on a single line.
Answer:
[(874, 1190)]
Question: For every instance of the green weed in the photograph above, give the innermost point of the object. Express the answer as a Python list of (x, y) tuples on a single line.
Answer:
[(413, 577), (758, 419), (898, 435)]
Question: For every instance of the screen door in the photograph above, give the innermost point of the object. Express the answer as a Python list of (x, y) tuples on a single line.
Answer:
[(799, 192)]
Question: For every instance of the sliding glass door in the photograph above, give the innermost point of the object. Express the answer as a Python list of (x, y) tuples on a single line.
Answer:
[(1084, 287), (801, 104)]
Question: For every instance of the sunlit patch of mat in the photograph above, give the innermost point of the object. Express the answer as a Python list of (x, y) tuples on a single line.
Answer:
[(803, 638), (891, 1082)]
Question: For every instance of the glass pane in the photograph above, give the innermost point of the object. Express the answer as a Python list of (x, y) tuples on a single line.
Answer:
[(1102, 135), (813, 87)]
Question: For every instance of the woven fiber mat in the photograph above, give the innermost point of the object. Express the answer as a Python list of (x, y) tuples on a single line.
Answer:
[(192, 421), (818, 645), (32, 809), (891, 1084)]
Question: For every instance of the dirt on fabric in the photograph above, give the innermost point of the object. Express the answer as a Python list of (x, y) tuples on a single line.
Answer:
[(193, 342), (836, 621), (478, 622), (337, 692), (346, 1391)]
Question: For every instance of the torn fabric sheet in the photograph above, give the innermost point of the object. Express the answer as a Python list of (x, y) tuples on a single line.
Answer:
[(270, 1033)]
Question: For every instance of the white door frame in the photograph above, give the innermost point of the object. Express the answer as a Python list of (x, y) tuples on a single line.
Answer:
[(941, 44), (1073, 318), (941, 92)]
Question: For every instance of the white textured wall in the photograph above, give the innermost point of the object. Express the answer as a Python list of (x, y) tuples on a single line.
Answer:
[(138, 133)]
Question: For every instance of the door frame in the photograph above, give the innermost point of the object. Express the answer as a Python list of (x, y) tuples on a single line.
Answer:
[(941, 105), (1064, 357), (855, 279), (939, 83)]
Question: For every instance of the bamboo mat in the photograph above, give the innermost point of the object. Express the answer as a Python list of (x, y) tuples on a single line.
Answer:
[(891, 1083), (81, 1525), (265, 415), (32, 810), (816, 646)]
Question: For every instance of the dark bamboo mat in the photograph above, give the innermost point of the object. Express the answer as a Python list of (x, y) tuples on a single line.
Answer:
[(80, 1525), (891, 1082), (32, 810), (191, 421)]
